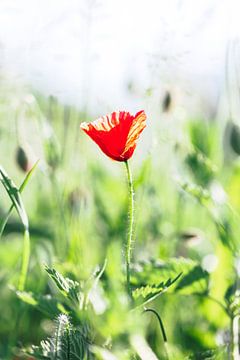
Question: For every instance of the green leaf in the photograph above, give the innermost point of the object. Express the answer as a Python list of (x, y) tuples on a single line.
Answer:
[(195, 281), (26, 297), (28, 176), (67, 343), (151, 292), (221, 353), (14, 194), (201, 167), (68, 287), (23, 185), (151, 278), (44, 303)]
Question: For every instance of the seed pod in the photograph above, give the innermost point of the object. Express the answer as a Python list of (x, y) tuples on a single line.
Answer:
[(235, 138), (22, 159), (167, 101)]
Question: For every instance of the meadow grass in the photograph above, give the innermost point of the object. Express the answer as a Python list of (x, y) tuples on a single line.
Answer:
[(184, 269)]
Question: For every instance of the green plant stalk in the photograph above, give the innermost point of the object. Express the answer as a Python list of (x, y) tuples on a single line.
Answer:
[(164, 336), (235, 324), (129, 245), (25, 260), (235, 337)]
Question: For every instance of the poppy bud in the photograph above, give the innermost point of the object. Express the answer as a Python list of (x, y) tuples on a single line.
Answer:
[(167, 101), (22, 159), (235, 138)]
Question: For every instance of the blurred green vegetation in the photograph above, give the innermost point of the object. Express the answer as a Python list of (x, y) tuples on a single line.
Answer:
[(186, 179)]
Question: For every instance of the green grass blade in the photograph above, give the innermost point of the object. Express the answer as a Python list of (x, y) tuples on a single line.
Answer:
[(14, 194), (25, 261), (23, 185)]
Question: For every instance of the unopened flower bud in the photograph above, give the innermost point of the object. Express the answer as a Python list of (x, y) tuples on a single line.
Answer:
[(22, 159), (167, 101)]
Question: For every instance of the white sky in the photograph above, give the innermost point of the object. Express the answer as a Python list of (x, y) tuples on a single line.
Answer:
[(82, 52)]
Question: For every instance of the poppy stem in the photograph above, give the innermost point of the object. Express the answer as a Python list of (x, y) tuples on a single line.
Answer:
[(129, 244)]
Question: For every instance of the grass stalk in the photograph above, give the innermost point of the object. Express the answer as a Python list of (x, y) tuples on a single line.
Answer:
[(25, 260)]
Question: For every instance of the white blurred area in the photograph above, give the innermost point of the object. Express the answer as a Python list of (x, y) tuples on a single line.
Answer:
[(107, 54)]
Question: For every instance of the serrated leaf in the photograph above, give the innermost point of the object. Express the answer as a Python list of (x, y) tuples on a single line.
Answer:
[(68, 287), (67, 343), (156, 276), (151, 292)]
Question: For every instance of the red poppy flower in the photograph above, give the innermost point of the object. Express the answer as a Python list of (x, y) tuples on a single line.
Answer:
[(117, 134)]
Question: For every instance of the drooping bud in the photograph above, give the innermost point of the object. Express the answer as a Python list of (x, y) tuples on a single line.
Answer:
[(167, 101), (22, 159), (235, 138)]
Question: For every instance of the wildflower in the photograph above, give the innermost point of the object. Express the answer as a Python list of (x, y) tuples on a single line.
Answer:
[(116, 134)]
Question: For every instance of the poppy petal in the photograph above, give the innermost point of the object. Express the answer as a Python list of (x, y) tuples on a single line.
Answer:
[(117, 133)]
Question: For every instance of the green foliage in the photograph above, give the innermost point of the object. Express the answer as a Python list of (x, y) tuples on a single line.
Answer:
[(23, 185), (68, 288), (189, 276), (217, 354), (14, 194), (201, 167), (150, 292), (44, 303), (185, 252), (67, 343)]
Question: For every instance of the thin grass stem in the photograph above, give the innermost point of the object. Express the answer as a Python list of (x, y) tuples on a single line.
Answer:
[(25, 261)]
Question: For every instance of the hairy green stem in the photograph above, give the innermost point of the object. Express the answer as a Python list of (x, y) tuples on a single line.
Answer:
[(129, 245), (25, 260)]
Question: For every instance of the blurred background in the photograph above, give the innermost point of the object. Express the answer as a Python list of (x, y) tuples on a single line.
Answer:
[(105, 54), (63, 62)]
